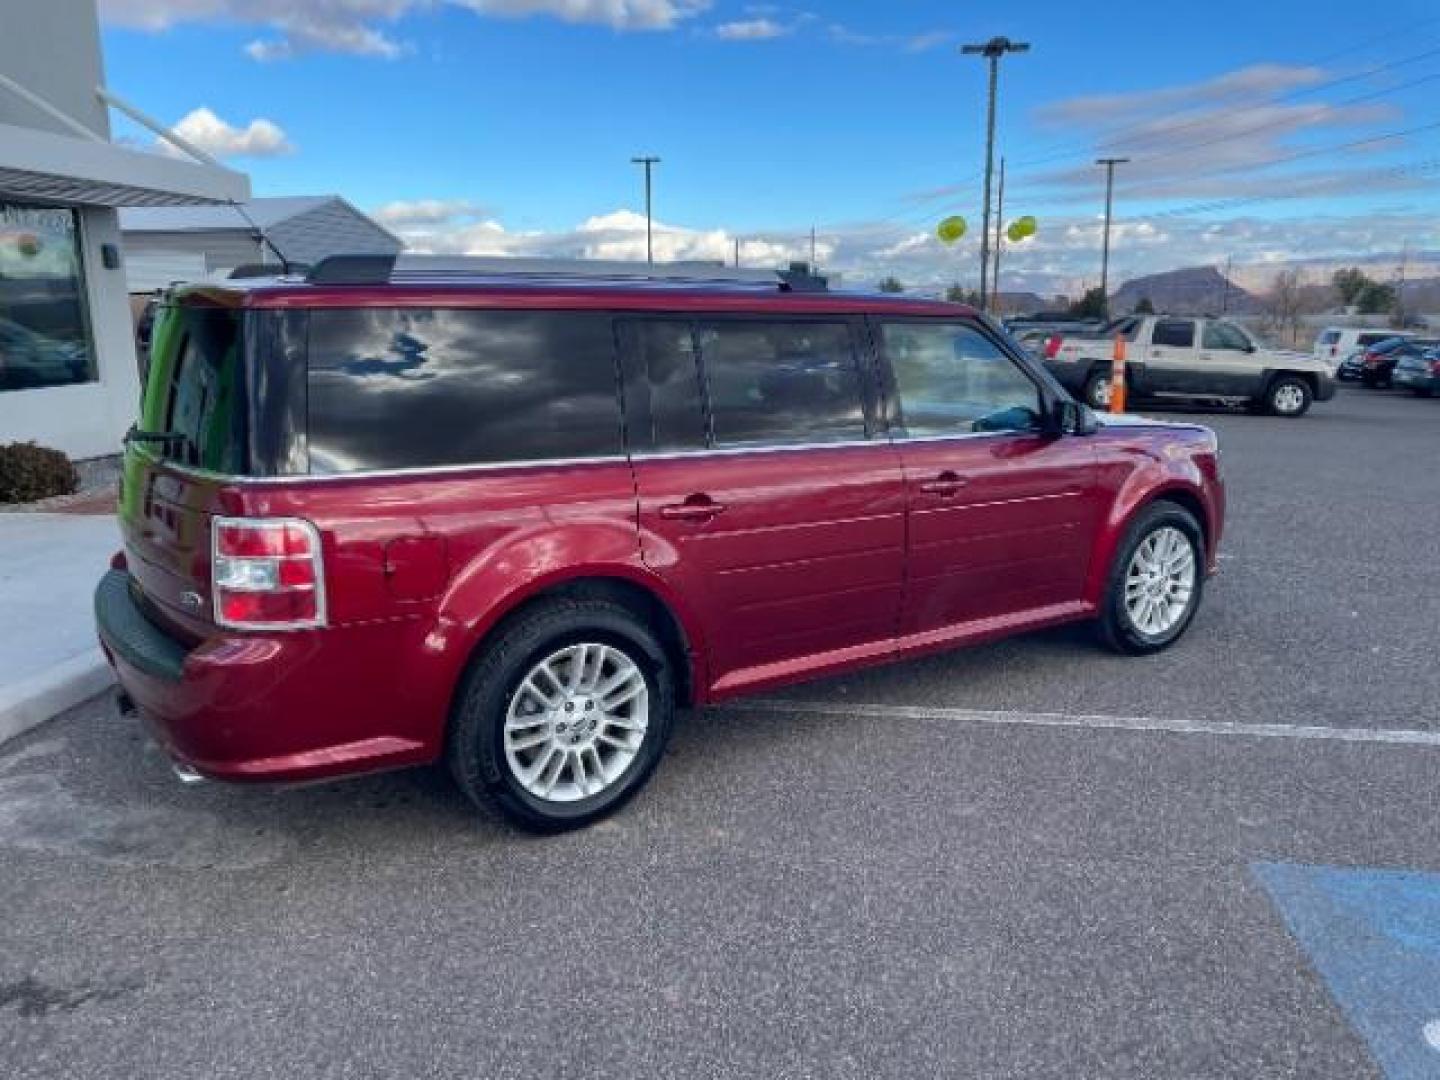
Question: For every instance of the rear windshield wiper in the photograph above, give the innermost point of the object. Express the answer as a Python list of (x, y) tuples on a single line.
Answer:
[(164, 438)]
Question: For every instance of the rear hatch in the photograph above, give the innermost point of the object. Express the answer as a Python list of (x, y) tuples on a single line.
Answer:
[(189, 444)]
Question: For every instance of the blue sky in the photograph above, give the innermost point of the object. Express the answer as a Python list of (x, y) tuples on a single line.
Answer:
[(508, 125)]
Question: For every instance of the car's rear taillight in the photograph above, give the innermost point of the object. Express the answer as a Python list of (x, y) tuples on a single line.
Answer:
[(267, 574), (1052, 346), (1435, 366)]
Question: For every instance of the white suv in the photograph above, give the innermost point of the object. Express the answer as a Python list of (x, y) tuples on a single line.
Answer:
[(1335, 343)]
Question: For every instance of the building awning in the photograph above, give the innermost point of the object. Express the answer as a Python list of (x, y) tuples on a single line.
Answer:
[(44, 167)]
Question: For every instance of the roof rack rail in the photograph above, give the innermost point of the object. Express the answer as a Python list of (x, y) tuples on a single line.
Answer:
[(259, 270), (395, 269)]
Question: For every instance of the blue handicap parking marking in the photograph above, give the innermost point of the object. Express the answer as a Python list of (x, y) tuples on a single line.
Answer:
[(1374, 936)]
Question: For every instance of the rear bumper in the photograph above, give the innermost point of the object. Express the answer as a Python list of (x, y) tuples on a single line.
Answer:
[(293, 706), (1415, 380)]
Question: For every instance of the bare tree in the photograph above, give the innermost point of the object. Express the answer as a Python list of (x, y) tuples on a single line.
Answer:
[(1285, 304)]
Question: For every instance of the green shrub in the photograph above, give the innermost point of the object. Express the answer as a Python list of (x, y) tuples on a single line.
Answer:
[(29, 472)]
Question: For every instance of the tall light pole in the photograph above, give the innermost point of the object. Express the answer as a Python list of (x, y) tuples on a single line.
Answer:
[(649, 162), (992, 50), (1109, 163), (999, 224)]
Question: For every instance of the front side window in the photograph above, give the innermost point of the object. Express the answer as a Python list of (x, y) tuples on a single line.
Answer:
[(44, 332), (393, 388), (950, 379), (1329, 337), (1175, 333), (1224, 335)]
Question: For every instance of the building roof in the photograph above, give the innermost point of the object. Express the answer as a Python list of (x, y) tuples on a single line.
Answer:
[(263, 214), (41, 165)]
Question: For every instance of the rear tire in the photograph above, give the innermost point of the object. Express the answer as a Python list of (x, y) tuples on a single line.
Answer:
[(1289, 397), (1156, 581), (559, 751)]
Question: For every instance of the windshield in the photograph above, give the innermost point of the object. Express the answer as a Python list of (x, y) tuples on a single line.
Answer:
[(193, 390)]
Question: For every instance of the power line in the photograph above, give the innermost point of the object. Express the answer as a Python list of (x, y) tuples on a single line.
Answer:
[(1112, 136)]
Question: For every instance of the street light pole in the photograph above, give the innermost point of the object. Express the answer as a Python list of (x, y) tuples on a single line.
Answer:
[(992, 50), (1109, 163), (999, 224), (649, 163)]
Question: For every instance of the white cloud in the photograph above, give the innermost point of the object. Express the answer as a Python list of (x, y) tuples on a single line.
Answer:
[(932, 39), (1062, 257), (259, 138), (751, 30), (1257, 81), (426, 212), (358, 27)]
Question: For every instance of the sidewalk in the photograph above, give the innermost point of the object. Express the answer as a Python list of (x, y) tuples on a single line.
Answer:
[(49, 659)]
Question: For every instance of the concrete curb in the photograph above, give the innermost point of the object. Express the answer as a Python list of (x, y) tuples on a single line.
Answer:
[(29, 703)]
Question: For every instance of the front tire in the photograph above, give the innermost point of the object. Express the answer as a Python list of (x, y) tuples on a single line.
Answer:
[(1289, 397), (564, 716), (1156, 581), (1097, 391)]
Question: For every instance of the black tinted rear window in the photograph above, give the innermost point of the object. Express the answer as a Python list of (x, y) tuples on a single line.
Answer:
[(194, 389), (417, 387), (1176, 333)]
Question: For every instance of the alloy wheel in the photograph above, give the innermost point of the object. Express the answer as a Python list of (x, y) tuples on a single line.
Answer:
[(1160, 581), (576, 722)]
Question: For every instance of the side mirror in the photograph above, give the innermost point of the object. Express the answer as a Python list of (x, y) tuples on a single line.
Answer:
[(1072, 418)]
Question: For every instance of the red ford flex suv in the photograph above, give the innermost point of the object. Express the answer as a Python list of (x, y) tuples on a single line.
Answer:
[(515, 515)]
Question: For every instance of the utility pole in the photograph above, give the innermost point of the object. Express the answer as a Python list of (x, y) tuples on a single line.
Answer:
[(1225, 295), (737, 253), (999, 224), (1109, 163), (1400, 288), (992, 50), (649, 162), (812, 249)]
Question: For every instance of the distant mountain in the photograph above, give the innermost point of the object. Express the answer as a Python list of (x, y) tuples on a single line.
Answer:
[(1189, 290)]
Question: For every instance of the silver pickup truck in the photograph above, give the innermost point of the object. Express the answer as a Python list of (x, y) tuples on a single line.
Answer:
[(1192, 359)]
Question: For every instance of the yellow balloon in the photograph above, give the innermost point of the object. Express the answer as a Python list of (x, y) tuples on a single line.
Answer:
[(1014, 233), (1021, 228), (951, 229)]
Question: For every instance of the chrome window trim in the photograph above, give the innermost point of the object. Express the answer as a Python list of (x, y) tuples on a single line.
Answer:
[(766, 448), (372, 474), (700, 452)]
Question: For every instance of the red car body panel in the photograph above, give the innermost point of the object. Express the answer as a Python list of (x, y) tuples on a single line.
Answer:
[(775, 565)]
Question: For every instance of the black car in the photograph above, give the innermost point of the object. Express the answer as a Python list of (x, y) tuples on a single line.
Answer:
[(1420, 374), (1377, 363)]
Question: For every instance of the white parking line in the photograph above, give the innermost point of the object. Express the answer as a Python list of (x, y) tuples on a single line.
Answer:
[(1403, 736)]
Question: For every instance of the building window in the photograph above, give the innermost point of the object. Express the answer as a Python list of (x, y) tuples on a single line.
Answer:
[(44, 332)]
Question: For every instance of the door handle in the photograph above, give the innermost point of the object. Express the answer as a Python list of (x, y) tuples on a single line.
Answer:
[(945, 485), (694, 508)]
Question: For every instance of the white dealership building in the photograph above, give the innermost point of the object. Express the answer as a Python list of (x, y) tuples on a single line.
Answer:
[(68, 375)]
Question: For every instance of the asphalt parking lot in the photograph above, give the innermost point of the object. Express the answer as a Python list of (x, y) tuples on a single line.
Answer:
[(1031, 859)]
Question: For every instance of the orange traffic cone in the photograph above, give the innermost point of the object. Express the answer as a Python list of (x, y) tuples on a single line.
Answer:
[(1117, 376)]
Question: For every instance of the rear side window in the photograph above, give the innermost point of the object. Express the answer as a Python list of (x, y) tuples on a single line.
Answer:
[(781, 382), (393, 388), (1176, 333), (744, 382), (1372, 339), (194, 388)]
